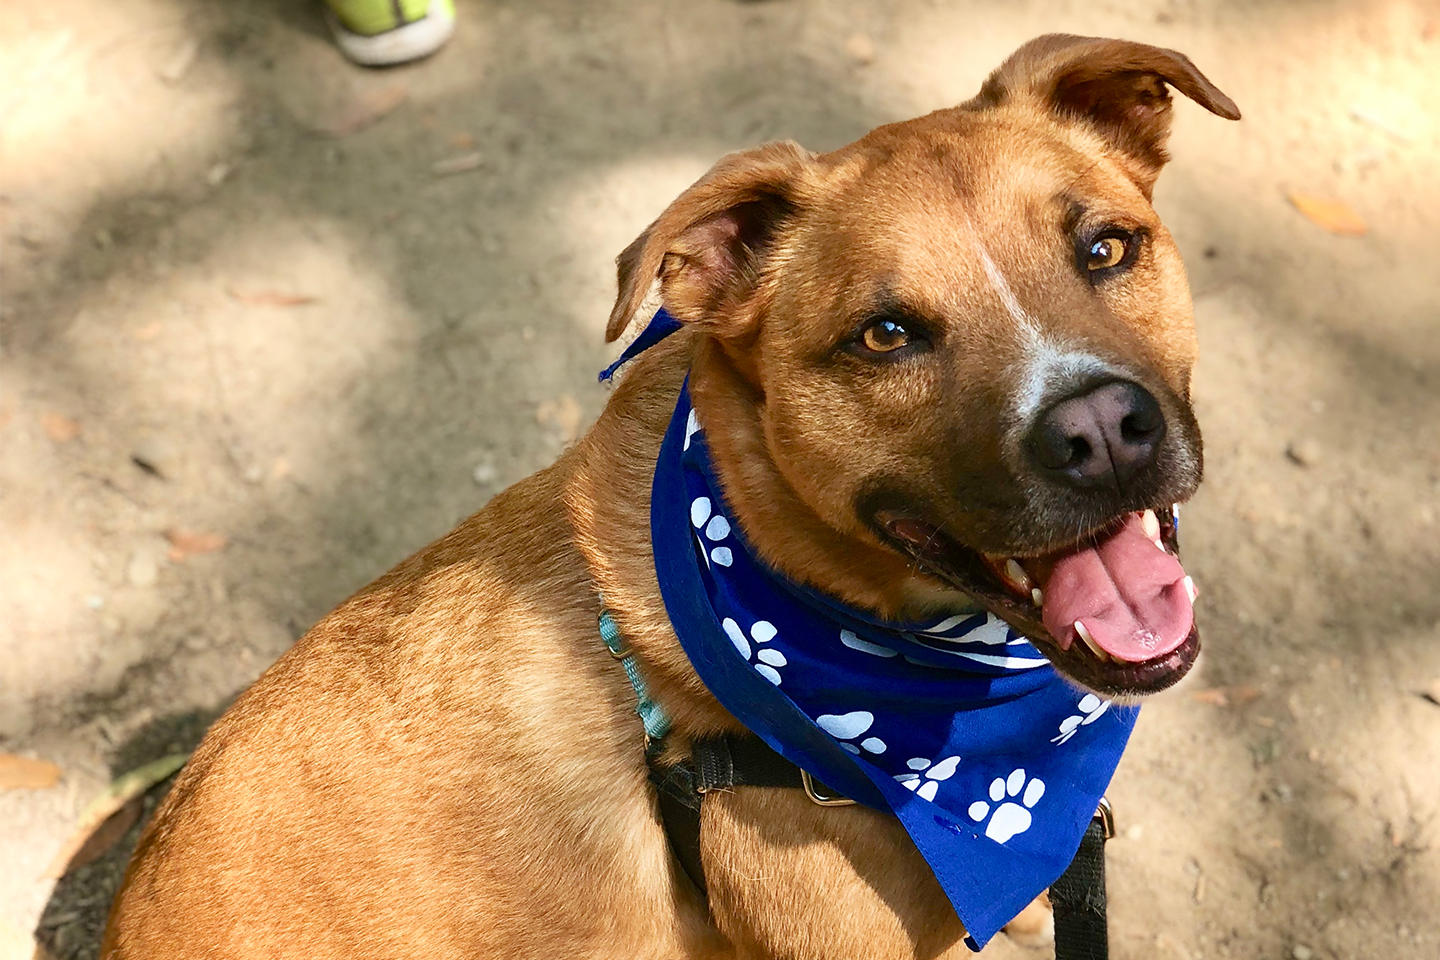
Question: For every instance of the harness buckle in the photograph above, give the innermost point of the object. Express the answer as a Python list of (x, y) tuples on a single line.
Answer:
[(1106, 815), (822, 795)]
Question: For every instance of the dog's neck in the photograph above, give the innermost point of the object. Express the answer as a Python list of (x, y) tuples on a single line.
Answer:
[(610, 488)]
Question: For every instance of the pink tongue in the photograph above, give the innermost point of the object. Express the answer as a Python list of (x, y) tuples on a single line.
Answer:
[(1129, 593)]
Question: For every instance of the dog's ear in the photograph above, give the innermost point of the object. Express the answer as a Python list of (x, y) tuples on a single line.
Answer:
[(707, 247), (1115, 86)]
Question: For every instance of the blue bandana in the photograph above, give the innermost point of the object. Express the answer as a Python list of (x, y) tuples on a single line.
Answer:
[(959, 727)]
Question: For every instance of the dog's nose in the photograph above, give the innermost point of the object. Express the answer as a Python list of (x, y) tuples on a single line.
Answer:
[(1103, 438)]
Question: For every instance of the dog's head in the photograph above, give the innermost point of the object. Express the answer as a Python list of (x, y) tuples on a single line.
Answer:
[(961, 341)]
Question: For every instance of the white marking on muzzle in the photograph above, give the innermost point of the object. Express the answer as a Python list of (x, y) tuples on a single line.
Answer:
[(1048, 362), (1007, 296)]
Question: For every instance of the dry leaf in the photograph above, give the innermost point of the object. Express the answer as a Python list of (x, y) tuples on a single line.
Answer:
[(562, 414), (1243, 694), (99, 841), (363, 109), (270, 298), (150, 331), (462, 141), (461, 164), (22, 773), (1215, 696), (58, 427), (187, 543), (1332, 215), (1237, 696), (124, 789)]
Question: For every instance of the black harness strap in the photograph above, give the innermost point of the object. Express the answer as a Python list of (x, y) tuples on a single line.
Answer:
[(1079, 899), (717, 763), (720, 763)]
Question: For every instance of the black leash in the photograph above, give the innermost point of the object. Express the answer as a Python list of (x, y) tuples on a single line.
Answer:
[(721, 763)]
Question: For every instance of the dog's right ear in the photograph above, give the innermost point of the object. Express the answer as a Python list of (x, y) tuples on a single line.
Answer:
[(707, 247)]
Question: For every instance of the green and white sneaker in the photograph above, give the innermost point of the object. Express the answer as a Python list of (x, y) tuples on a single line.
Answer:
[(381, 33)]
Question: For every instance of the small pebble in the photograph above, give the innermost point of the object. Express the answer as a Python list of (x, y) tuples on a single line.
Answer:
[(94, 601), (1304, 453), (142, 570), (181, 59), (861, 49), (484, 474), (1302, 952), (155, 456)]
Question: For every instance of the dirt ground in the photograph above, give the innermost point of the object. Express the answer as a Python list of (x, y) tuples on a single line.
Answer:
[(271, 323)]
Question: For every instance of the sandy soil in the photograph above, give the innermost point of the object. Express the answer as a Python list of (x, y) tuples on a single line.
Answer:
[(239, 300)]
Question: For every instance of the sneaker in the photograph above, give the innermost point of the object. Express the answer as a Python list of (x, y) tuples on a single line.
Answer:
[(381, 33)]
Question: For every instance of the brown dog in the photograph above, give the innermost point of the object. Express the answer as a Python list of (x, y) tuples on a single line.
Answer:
[(961, 339)]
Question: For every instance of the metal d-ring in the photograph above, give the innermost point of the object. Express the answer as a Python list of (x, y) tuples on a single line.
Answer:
[(1106, 815), (822, 795)]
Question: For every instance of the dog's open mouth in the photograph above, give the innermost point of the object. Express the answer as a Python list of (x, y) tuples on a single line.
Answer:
[(1113, 612)]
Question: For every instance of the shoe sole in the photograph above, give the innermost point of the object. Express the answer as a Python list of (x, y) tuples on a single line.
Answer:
[(401, 45)]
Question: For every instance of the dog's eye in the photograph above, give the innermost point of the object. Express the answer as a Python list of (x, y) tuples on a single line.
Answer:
[(1105, 253), (883, 336)]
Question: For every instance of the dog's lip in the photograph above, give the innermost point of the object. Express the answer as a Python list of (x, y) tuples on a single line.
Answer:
[(984, 578)]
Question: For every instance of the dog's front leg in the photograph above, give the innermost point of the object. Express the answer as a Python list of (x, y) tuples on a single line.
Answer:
[(788, 878)]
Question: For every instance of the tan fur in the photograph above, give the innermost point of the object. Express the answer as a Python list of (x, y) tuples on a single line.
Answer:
[(449, 764)]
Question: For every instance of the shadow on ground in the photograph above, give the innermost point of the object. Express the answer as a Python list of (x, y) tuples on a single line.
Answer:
[(74, 919)]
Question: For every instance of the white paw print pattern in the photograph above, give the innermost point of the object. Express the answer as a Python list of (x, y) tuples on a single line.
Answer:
[(715, 528), (851, 726), (1009, 818), (767, 661), (933, 773), (1090, 707)]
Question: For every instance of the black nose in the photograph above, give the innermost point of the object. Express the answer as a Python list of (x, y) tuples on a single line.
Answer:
[(1104, 437)]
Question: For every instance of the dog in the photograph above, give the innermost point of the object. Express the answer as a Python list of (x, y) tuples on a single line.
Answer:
[(935, 367)]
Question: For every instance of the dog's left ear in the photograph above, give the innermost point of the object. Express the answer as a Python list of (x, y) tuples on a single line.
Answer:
[(1114, 86), (707, 247)]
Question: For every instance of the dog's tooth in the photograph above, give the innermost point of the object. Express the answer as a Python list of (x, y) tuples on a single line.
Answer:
[(1083, 632), (1016, 575), (1037, 596), (1191, 590), (1159, 546), (1151, 523)]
